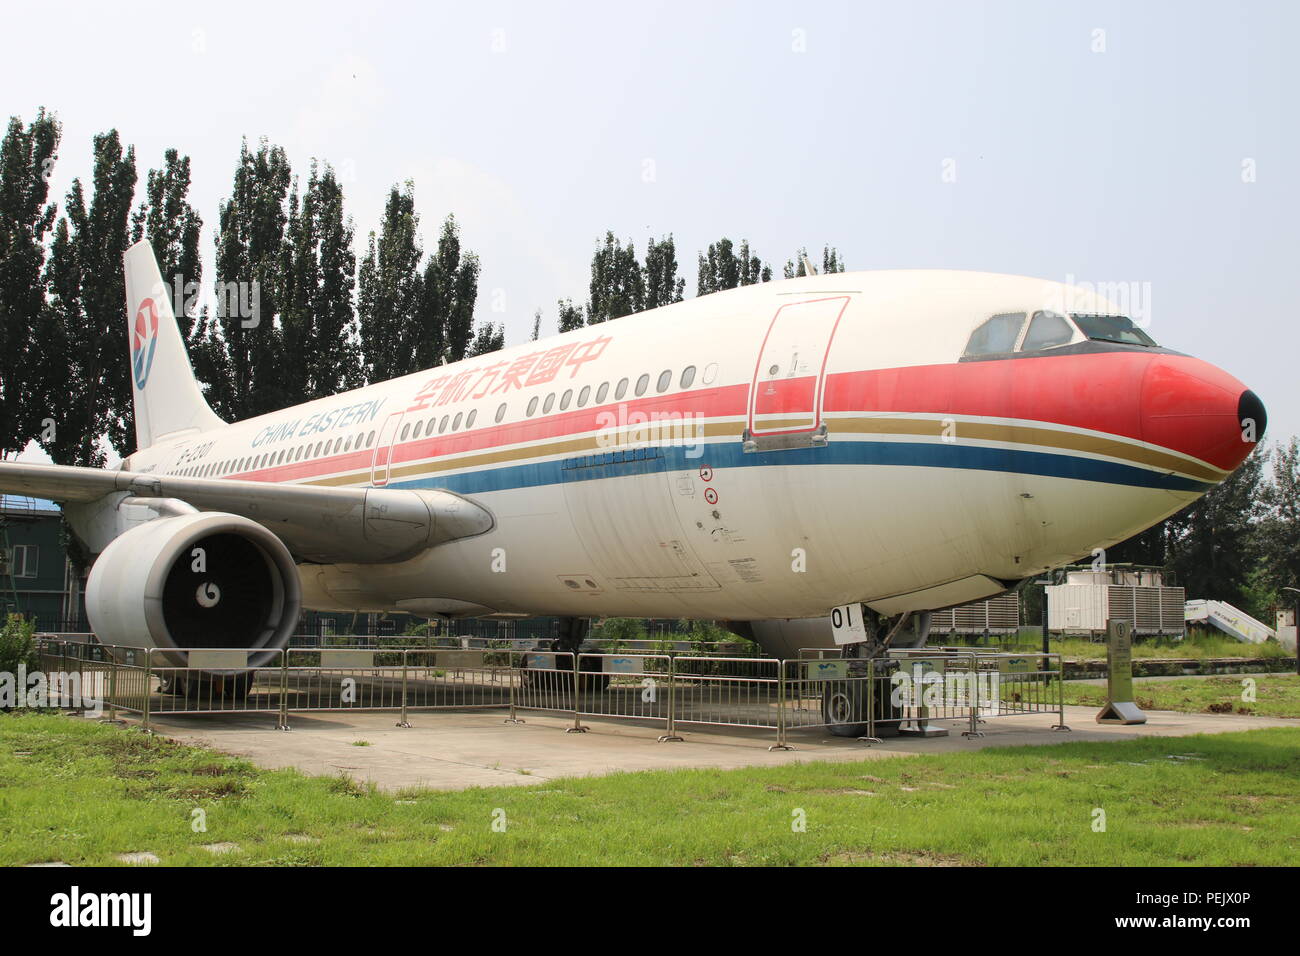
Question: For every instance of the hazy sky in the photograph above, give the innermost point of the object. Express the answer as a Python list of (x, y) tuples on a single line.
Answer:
[(1109, 142)]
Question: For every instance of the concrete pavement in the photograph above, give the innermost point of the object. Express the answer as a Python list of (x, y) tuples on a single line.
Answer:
[(451, 750)]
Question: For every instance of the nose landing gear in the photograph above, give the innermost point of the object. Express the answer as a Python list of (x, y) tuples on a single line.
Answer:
[(845, 702)]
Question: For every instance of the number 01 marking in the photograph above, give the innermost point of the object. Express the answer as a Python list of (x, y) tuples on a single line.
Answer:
[(847, 625)]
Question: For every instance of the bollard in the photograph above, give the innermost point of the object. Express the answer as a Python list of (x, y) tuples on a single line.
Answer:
[(1060, 694), (404, 722), (871, 737), (974, 730), (780, 709), (516, 676), (577, 727), (148, 688), (671, 734), (282, 718), (112, 691)]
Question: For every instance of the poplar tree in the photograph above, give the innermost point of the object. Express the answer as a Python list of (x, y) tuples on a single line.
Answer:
[(389, 292), (322, 355), (86, 285), (172, 226), (617, 284), (334, 364), (28, 367), (831, 262), (722, 267), (662, 284), (450, 292), (571, 316), (240, 347), (490, 338)]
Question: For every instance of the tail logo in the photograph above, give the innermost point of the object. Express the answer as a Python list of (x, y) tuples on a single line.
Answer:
[(144, 339)]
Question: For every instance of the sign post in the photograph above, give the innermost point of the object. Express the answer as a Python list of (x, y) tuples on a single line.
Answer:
[(1120, 708)]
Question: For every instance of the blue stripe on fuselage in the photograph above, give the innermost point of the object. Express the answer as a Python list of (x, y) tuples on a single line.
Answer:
[(730, 455)]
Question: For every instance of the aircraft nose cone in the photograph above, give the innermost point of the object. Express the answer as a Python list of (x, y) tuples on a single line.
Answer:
[(1251, 411), (1200, 410)]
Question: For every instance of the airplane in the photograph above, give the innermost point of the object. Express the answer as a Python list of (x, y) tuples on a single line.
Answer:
[(868, 446)]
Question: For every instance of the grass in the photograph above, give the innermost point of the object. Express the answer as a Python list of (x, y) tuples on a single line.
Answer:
[(1198, 645), (82, 792), (1276, 695)]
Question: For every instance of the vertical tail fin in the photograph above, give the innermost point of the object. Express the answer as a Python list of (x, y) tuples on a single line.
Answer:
[(167, 396)]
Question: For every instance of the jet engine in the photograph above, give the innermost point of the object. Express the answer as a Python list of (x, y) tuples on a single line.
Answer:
[(195, 580)]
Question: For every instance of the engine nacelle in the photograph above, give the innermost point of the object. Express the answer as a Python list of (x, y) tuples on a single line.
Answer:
[(207, 580)]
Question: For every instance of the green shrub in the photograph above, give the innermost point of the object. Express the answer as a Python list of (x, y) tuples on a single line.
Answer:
[(17, 646), (614, 632)]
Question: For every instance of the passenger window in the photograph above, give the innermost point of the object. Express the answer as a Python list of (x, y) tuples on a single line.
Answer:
[(997, 335), (469, 422), (665, 379), (406, 429), (442, 425), (418, 426), (565, 399), (688, 376), (621, 390), (370, 439), (1047, 330), (456, 424), (583, 395), (501, 412), (532, 406), (546, 405), (642, 384), (602, 392), (428, 426)]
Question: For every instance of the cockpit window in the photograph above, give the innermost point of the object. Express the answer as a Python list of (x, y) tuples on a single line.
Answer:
[(998, 334), (1112, 328), (1047, 330)]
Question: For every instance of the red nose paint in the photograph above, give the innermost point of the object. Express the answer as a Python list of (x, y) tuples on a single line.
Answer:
[(1191, 406)]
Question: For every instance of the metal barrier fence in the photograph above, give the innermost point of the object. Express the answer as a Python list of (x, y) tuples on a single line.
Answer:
[(903, 693)]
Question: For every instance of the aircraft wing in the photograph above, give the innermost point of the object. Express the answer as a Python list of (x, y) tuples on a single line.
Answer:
[(326, 525)]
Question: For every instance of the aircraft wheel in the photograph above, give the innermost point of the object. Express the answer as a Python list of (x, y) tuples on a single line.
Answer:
[(844, 709), (232, 687)]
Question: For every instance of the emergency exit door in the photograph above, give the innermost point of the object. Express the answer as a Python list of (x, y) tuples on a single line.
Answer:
[(382, 462)]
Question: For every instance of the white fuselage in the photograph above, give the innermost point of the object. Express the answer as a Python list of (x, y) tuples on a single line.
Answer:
[(935, 481)]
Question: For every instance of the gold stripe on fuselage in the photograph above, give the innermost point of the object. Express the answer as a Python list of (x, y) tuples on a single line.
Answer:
[(1046, 438)]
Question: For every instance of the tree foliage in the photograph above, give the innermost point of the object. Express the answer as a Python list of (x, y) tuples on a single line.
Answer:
[(723, 267), (618, 287), (87, 290), (831, 263), (239, 352), (1279, 526), (27, 371), (411, 317)]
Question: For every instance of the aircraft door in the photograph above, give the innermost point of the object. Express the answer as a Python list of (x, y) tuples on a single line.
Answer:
[(785, 396), (379, 465)]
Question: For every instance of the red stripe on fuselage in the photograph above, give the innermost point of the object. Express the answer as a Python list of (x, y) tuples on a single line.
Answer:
[(1099, 392)]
